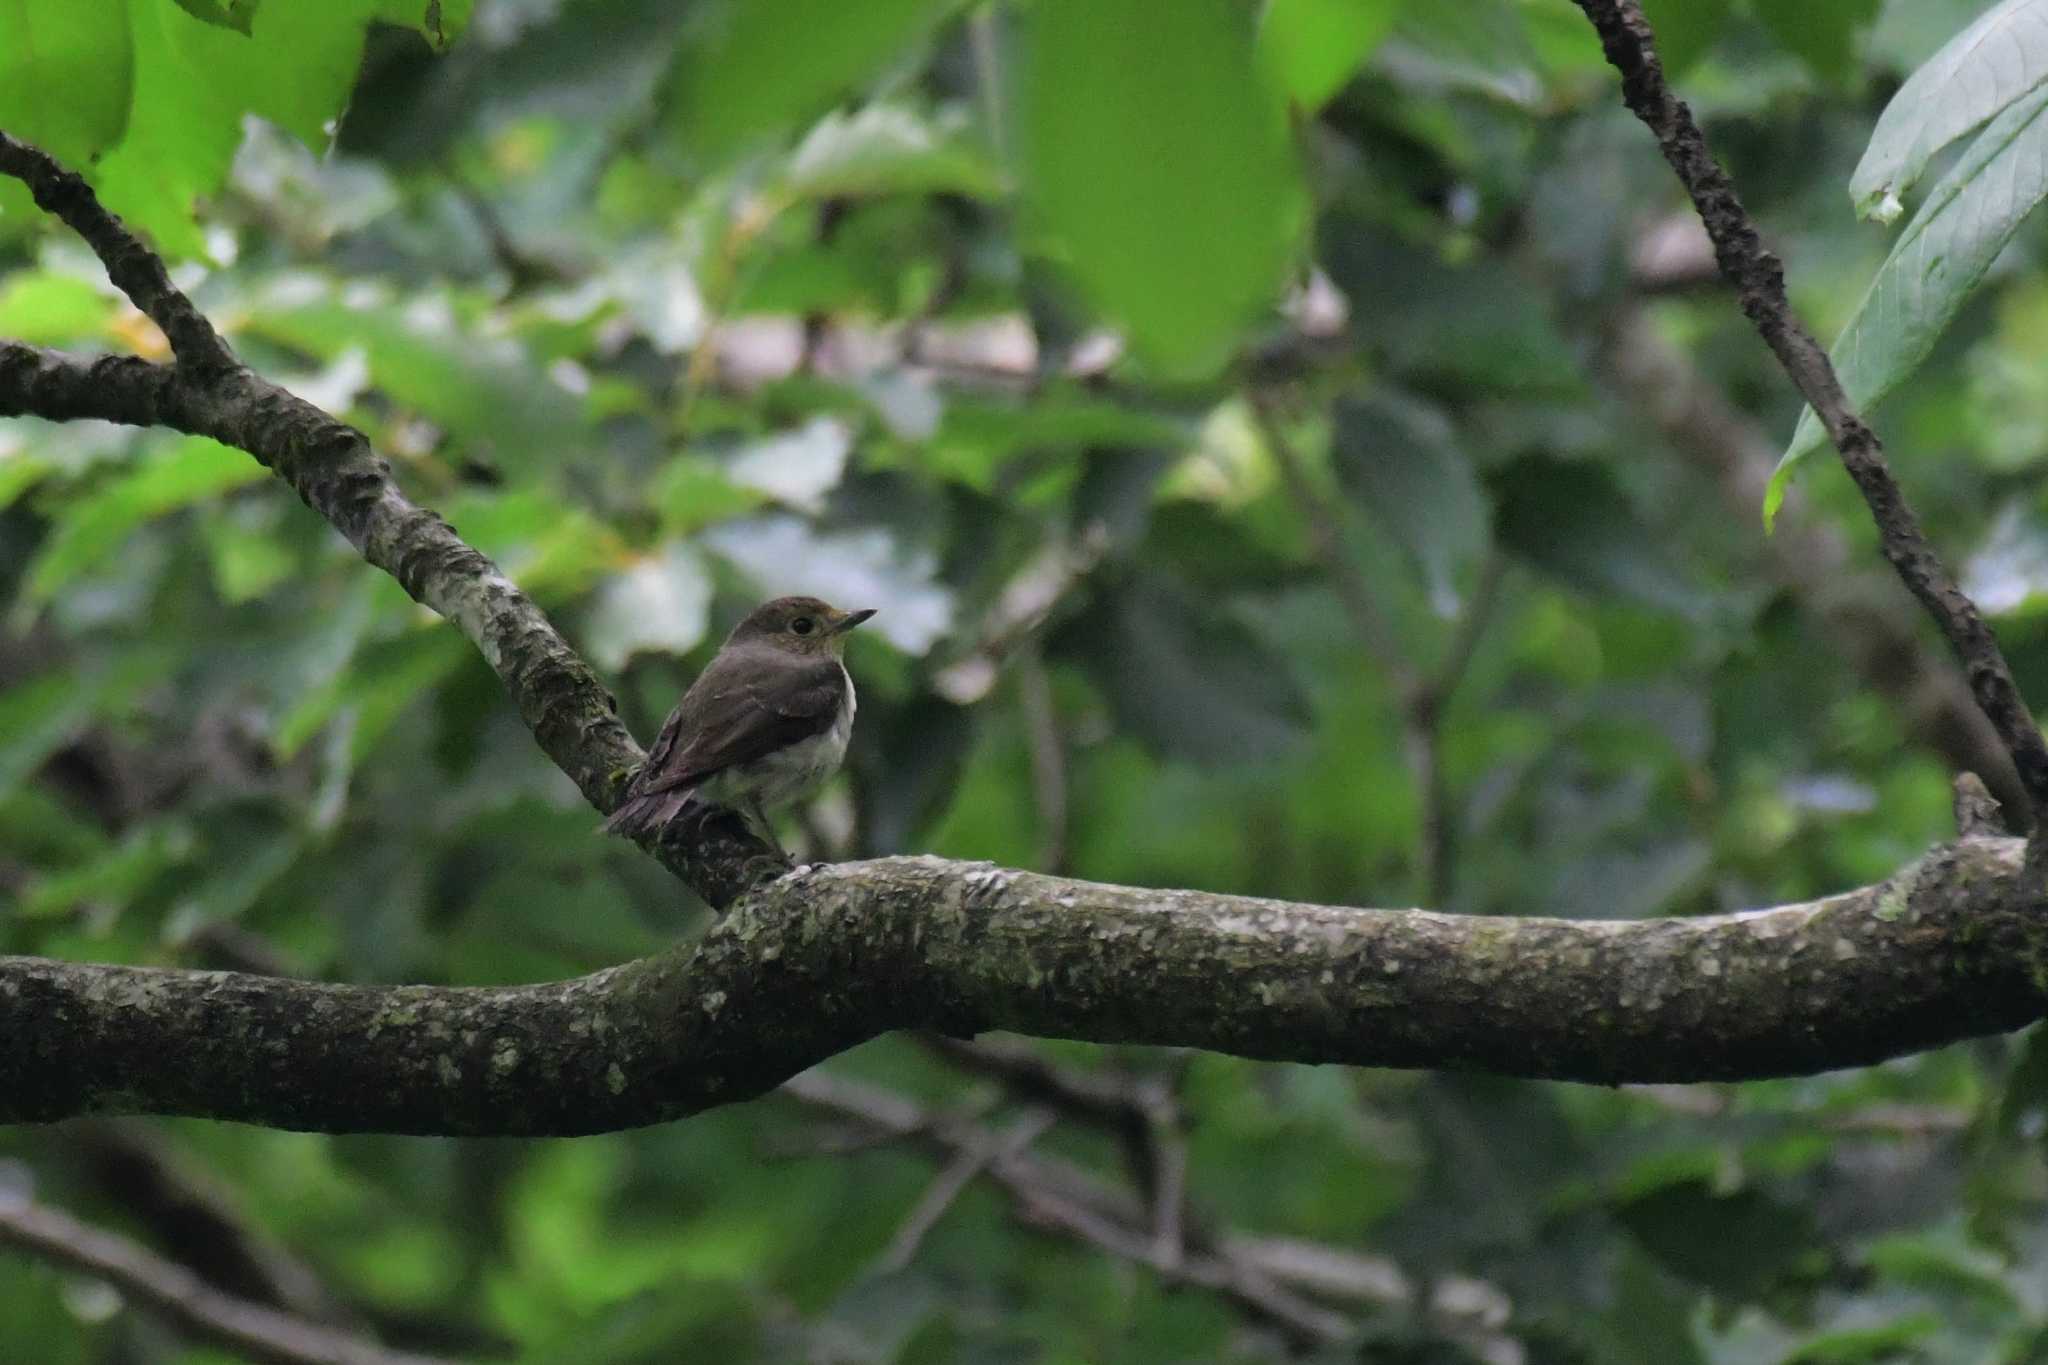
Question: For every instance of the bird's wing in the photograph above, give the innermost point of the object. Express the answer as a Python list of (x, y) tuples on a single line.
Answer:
[(747, 704)]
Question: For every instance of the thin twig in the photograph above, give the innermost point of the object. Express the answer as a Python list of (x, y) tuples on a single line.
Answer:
[(260, 1333), (1048, 759), (1759, 281), (1424, 729), (1326, 541), (196, 1220), (1057, 1197), (957, 1175)]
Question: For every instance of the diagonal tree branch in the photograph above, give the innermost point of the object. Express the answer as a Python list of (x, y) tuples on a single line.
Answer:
[(1874, 631), (332, 467), (257, 1332), (1759, 280)]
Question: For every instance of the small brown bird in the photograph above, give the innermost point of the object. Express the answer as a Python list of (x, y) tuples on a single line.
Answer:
[(766, 721)]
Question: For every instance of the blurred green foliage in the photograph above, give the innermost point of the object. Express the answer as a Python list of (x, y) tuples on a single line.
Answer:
[(1177, 388)]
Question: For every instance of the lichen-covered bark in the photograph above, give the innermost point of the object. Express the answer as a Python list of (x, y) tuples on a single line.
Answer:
[(828, 956), (814, 961)]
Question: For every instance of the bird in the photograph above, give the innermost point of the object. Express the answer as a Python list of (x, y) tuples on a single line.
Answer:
[(765, 723)]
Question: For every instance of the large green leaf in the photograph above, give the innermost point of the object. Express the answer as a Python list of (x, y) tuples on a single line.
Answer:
[(755, 67), (884, 149), (294, 65), (1936, 264), (1401, 460), (1993, 63), (67, 72), (1187, 677), (1157, 165), (1311, 47)]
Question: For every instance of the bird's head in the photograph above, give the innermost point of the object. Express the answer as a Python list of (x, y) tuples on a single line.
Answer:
[(803, 625)]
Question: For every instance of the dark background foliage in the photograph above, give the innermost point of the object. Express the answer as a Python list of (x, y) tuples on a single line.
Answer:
[(1417, 588)]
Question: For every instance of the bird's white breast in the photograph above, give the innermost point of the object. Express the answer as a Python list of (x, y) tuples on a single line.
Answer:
[(796, 769)]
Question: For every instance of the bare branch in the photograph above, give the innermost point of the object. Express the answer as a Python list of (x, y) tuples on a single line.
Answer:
[(196, 1220), (1055, 1197), (1759, 281), (135, 270), (1870, 625), (958, 1174), (255, 1331)]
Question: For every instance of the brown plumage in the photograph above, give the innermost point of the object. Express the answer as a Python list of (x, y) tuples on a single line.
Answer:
[(764, 723)]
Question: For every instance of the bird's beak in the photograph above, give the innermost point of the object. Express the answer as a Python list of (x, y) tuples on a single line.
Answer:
[(852, 619)]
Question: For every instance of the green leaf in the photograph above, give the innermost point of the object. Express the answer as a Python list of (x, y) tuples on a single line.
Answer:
[(755, 67), (692, 492), (40, 715), (487, 391), (1937, 263), (1158, 166), (248, 560), (179, 474), (67, 75), (379, 685), (235, 14), (1311, 47), (1574, 522), (1990, 65), (1400, 460), (1186, 678), (1685, 29), (1822, 33), (1893, 1341), (51, 310), (1744, 1246), (883, 149), (114, 877), (294, 65)]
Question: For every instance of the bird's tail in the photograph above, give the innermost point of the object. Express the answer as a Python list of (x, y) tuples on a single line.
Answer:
[(650, 811)]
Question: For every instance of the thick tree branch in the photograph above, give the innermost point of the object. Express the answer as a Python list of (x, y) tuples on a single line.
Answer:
[(827, 957), (250, 1329), (824, 957), (1759, 281)]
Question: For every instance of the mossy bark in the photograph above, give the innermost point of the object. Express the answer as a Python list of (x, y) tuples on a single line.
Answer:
[(826, 957)]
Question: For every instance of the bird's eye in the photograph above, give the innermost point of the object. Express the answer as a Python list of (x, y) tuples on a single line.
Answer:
[(803, 625)]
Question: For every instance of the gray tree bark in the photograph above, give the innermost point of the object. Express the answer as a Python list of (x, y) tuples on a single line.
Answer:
[(814, 960)]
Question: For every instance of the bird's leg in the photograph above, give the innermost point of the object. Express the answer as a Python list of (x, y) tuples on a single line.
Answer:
[(764, 829)]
